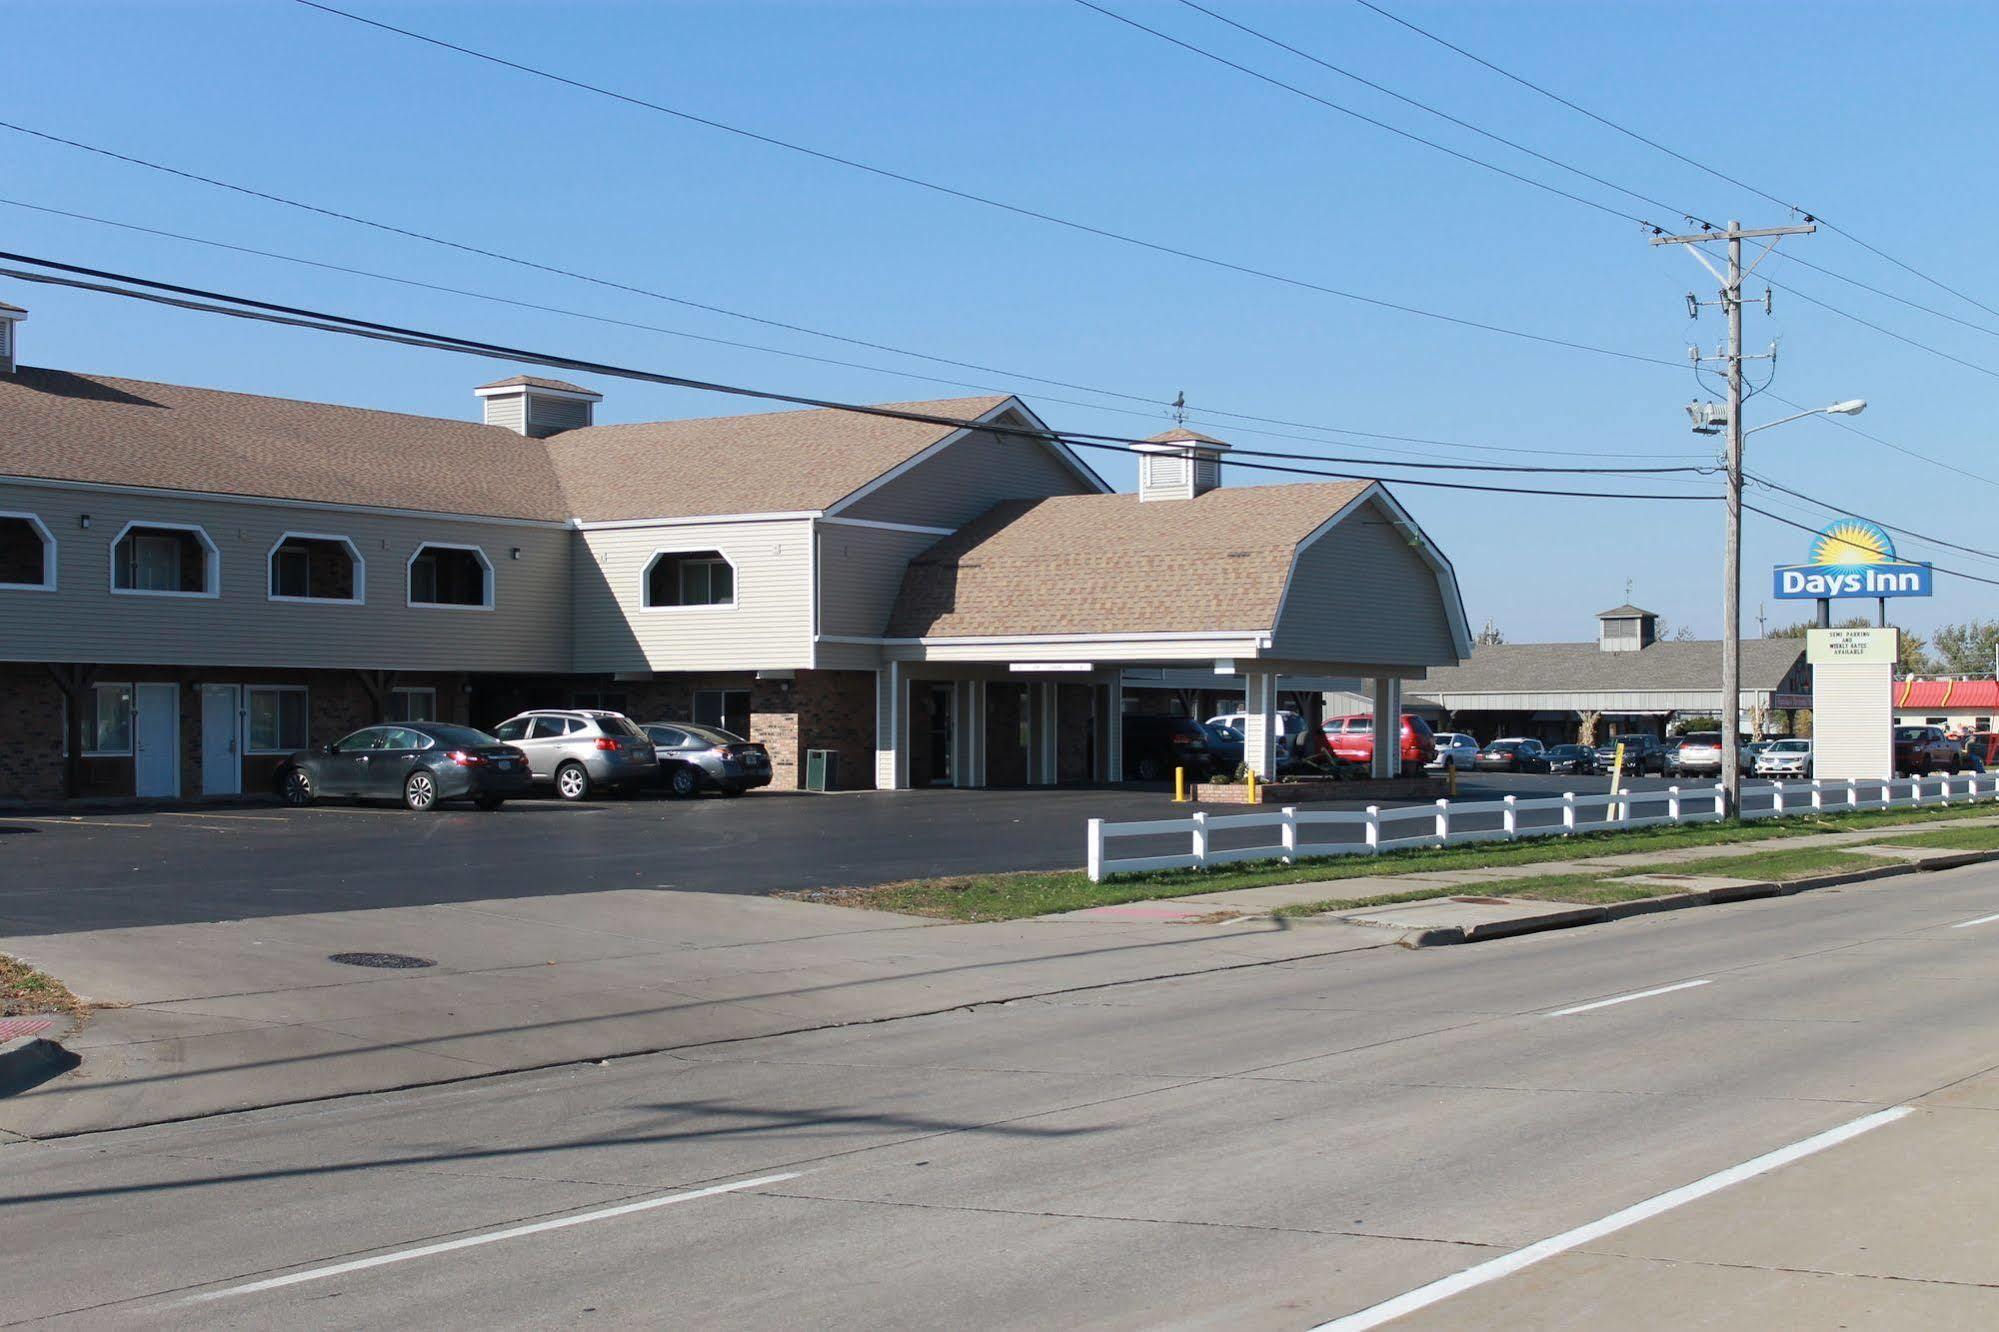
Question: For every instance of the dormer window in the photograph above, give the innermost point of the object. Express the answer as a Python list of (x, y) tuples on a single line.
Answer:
[(306, 567), (690, 578)]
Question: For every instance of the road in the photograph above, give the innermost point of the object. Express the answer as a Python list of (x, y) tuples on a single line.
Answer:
[(1265, 1146), (60, 874)]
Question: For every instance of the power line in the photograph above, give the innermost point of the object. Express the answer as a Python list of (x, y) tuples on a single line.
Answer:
[(243, 307), (1716, 172), (1842, 509), (833, 361), (1382, 124), (1886, 443), (1441, 114), (1803, 527), (1105, 233)]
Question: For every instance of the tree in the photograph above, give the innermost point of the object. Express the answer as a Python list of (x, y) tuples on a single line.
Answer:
[(1666, 632), (1490, 635), (1966, 649), (1914, 659)]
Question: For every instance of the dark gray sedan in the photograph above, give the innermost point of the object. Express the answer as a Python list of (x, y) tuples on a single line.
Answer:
[(693, 759), (418, 763)]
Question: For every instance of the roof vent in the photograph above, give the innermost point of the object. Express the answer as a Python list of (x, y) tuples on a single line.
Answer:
[(537, 408), (1178, 464), (10, 318)]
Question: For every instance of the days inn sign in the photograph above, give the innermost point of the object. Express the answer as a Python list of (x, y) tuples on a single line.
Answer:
[(1851, 558)]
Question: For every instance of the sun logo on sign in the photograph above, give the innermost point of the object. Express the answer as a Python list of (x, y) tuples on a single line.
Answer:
[(1851, 541)]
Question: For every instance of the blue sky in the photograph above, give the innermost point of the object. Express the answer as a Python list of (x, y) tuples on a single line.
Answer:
[(1872, 115)]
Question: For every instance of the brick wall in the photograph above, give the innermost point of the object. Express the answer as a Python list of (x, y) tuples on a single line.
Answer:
[(1075, 732), (1006, 756), (30, 733), (836, 711)]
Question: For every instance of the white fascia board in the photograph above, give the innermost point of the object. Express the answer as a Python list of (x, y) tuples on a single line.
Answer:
[(1256, 638), (613, 524), (521, 390), (225, 497), (889, 527)]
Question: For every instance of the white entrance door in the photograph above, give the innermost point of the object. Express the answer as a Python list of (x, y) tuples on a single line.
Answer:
[(156, 740), (221, 754)]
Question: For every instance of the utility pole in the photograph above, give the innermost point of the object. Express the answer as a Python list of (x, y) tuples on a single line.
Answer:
[(1731, 584)]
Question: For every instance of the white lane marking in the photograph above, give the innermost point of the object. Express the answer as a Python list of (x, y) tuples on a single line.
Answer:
[(1627, 998), (1507, 1264), (78, 822), (1982, 920), (491, 1237)]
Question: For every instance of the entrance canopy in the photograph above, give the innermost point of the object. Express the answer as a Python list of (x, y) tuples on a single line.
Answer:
[(1256, 582)]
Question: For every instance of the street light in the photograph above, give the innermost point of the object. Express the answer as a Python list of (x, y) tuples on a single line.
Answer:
[(1851, 407)]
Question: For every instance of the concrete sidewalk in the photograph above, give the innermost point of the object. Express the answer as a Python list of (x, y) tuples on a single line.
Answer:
[(236, 1014)]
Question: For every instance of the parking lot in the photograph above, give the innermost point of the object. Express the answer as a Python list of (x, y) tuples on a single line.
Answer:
[(60, 873)]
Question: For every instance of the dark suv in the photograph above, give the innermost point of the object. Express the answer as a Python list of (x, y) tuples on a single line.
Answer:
[(1155, 746), (1642, 754)]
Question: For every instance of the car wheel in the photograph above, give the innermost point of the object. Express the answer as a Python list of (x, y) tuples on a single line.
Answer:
[(490, 803), (571, 782), (1150, 769), (420, 791), (295, 788), (685, 782)]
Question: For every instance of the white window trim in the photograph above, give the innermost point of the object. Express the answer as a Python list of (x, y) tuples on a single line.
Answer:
[(360, 597), (734, 602), (211, 562), (249, 689), (49, 551), (492, 579), (131, 749)]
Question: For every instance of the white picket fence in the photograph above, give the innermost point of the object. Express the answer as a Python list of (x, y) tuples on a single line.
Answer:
[(1371, 831)]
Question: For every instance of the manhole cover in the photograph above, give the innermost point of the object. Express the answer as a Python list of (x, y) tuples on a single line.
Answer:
[(393, 961)]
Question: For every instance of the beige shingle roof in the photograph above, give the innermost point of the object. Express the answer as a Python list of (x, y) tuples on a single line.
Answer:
[(1110, 564), (535, 381), (772, 462), (131, 432)]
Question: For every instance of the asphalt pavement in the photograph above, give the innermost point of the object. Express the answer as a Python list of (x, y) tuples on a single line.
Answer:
[(1775, 1114), (62, 873)]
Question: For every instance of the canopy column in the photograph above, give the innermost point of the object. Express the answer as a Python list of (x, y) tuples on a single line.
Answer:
[(1260, 724), (1387, 726)]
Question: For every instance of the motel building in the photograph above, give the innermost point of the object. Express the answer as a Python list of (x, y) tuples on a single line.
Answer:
[(195, 582)]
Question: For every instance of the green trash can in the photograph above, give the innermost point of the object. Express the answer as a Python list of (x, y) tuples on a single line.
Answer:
[(822, 770)]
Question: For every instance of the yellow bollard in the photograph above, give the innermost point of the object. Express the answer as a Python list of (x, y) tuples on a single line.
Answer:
[(1179, 786), (1252, 788), (1451, 778)]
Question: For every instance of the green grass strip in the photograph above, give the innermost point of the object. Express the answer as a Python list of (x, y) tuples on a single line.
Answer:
[(1949, 839), (1767, 866)]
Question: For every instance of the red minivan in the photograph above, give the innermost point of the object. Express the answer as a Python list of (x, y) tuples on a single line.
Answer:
[(1352, 739)]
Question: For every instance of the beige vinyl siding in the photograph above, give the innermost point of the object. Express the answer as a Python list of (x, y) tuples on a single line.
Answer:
[(507, 413), (860, 572), (1362, 593), (769, 627), (963, 480), (83, 620)]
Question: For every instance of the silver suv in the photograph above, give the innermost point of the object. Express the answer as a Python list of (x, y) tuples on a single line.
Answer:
[(580, 749)]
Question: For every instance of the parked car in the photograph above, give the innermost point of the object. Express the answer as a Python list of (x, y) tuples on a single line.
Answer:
[(693, 759), (1154, 746), (1643, 753), (1455, 749), (418, 763), (1982, 745), (1922, 750), (1351, 739), (1785, 758), (1224, 747), (1579, 759), (1513, 755), (1699, 753), (578, 750), (1290, 726)]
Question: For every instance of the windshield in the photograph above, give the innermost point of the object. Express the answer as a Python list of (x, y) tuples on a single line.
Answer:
[(1506, 746), (620, 726), (1791, 747), (714, 735), (1566, 751), (1912, 732), (1227, 733)]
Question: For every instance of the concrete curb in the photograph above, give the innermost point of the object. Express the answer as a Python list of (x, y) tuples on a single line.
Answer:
[(1568, 918)]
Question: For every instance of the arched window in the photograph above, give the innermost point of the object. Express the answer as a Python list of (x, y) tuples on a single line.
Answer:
[(27, 554), (306, 566), (451, 578), (165, 560), (690, 578)]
